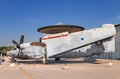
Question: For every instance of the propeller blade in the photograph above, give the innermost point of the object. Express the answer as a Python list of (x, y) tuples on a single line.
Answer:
[(40, 39), (21, 39), (38, 44), (17, 45)]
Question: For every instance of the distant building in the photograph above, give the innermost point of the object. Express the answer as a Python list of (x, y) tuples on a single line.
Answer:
[(116, 54)]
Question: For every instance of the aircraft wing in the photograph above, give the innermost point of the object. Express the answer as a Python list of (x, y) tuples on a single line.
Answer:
[(63, 42)]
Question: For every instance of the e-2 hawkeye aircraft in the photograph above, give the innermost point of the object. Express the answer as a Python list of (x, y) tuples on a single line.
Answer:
[(66, 41)]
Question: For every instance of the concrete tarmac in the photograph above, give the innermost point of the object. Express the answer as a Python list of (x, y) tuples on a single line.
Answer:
[(74, 69)]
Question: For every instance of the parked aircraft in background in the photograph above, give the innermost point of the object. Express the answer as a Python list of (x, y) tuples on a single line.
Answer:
[(66, 41)]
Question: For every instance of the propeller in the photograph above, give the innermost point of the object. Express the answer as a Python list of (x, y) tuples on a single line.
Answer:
[(18, 44)]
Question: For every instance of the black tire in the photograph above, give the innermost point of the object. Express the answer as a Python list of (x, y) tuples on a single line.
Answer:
[(57, 59)]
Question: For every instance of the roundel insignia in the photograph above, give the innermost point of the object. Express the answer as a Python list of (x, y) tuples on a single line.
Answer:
[(79, 51), (82, 39)]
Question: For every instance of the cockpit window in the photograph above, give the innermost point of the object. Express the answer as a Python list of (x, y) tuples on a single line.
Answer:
[(14, 48)]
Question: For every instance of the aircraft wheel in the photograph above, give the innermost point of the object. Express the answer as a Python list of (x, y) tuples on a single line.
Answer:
[(12, 60), (0, 61), (44, 61), (57, 59)]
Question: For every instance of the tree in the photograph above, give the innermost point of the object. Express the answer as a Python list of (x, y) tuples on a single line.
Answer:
[(3, 48)]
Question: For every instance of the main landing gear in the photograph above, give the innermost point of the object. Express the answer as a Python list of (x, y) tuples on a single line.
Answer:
[(57, 59)]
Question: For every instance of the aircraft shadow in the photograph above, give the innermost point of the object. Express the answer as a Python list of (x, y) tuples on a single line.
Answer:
[(50, 62)]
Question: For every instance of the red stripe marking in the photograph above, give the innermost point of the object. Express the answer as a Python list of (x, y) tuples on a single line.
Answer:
[(57, 36), (64, 35)]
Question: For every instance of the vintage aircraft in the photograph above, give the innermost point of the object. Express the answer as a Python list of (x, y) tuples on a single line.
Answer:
[(67, 41)]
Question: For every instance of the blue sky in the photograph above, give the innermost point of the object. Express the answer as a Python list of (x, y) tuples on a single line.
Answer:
[(26, 16)]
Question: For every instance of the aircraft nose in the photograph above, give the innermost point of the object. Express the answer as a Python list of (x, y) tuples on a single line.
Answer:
[(8, 53)]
